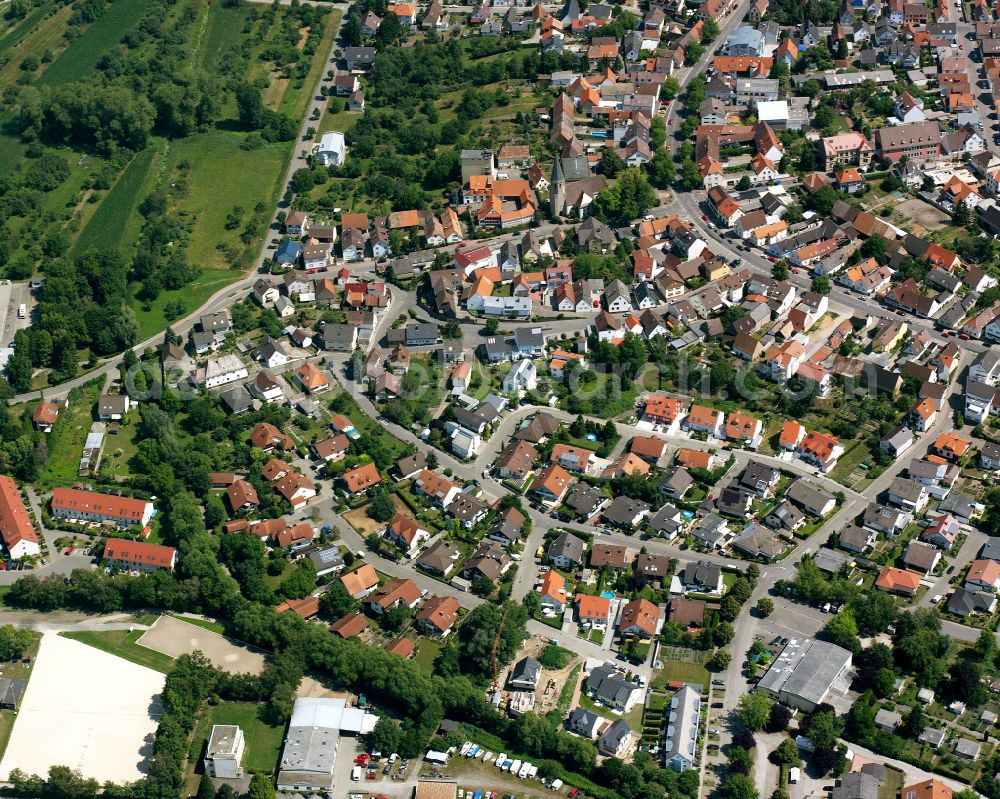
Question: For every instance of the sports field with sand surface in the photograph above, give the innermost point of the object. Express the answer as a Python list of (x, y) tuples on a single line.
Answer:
[(88, 710), (175, 638)]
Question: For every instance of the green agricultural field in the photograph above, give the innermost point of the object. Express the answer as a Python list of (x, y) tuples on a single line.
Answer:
[(117, 219), (34, 35), (99, 39)]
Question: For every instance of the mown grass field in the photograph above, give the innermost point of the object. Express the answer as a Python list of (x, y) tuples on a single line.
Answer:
[(222, 175), (97, 40), (153, 318), (205, 624), (123, 644)]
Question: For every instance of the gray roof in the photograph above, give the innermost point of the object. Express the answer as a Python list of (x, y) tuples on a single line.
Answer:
[(856, 785), (702, 573), (965, 601), (906, 490), (585, 498), (806, 495), (623, 510), (664, 520), (759, 542), (236, 399), (419, 331), (529, 337), (883, 517), (609, 686), (580, 718), (959, 505), (677, 481), (326, 558), (757, 475), (567, 546), (11, 691), (806, 670), (337, 334), (852, 537), (786, 515), (526, 670), (991, 550), (614, 735), (310, 750), (682, 724), (710, 530)]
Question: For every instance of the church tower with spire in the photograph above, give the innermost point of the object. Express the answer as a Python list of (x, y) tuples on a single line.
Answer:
[(557, 189)]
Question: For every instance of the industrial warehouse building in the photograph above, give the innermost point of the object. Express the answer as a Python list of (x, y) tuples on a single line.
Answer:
[(806, 672), (310, 752)]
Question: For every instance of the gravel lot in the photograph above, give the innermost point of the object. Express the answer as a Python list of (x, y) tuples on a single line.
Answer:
[(175, 638)]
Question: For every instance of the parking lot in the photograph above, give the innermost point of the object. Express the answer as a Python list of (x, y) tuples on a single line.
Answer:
[(12, 296)]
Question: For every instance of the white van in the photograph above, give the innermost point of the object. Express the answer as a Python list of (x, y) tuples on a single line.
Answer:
[(356, 774), (22, 311)]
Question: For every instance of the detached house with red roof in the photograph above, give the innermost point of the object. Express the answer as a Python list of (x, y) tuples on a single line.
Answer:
[(406, 534), (702, 419), (268, 437), (593, 611), (639, 618), (361, 478), (898, 581), (667, 412), (553, 590), (395, 593), (820, 449), (984, 574), (438, 615)]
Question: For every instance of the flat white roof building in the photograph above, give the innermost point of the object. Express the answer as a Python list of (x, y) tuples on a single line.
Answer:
[(314, 731), (225, 752), (773, 112), (332, 150)]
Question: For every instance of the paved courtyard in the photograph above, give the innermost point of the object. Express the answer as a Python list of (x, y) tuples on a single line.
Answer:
[(175, 638), (103, 727)]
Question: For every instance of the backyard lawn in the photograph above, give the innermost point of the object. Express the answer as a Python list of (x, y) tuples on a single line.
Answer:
[(65, 442), (680, 671), (426, 653)]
